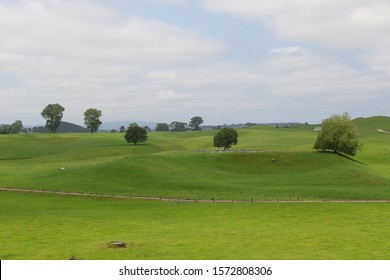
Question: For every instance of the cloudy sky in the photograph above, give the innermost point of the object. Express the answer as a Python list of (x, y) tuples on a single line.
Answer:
[(228, 61)]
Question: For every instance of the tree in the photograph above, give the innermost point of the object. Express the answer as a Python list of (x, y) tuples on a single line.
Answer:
[(195, 123), (4, 128), (339, 135), (136, 134), (122, 129), (92, 119), (16, 127), (178, 126), (162, 127), (226, 138), (53, 114)]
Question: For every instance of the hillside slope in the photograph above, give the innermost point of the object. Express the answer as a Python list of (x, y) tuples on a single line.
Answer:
[(64, 127), (268, 163)]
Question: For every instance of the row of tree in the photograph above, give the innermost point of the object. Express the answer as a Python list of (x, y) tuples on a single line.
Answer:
[(14, 128), (338, 133), (194, 124), (53, 114)]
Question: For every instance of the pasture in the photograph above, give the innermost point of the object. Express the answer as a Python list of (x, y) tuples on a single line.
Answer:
[(267, 164), (41, 226)]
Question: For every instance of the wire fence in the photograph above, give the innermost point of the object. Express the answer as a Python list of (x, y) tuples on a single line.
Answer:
[(291, 199)]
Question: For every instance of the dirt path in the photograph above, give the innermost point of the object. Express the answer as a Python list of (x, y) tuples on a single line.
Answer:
[(302, 200), (382, 131)]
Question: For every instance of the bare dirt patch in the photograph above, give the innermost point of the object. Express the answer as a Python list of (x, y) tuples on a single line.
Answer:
[(382, 131)]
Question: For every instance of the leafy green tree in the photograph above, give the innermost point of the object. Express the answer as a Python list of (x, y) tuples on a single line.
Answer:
[(136, 134), (338, 134), (4, 128), (162, 127), (92, 119), (195, 123), (53, 114), (122, 129), (226, 138), (16, 127), (178, 126)]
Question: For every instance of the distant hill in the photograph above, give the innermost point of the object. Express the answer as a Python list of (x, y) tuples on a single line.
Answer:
[(64, 127), (365, 125), (371, 124), (117, 124)]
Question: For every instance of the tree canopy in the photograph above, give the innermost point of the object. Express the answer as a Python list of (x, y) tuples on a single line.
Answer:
[(339, 135), (14, 128), (178, 126), (136, 134), (162, 127), (53, 114), (195, 123), (92, 119), (226, 138)]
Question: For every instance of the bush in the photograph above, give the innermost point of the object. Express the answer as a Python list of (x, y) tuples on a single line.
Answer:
[(339, 135)]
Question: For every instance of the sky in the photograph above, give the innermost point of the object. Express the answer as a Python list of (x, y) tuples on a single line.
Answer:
[(227, 61)]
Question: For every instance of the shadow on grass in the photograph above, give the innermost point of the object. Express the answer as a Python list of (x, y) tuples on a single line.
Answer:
[(342, 155), (21, 158), (126, 145)]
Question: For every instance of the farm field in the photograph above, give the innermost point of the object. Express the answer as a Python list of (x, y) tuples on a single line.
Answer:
[(41, 226), (267, 164)]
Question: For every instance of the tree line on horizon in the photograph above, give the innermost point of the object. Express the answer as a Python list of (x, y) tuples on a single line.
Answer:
[(13, 128), (338, 133), (53, 114)]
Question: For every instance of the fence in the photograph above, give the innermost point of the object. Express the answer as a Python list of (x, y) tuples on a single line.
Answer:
[(291, 199)]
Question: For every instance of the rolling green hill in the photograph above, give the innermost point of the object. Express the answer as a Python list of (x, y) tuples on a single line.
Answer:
[(371, 124), (268, 163)]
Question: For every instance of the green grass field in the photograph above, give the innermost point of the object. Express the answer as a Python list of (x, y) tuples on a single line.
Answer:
[(186, 165), (38, 226), (177, 165)]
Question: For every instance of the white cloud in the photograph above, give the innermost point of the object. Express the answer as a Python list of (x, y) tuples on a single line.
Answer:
[(170, 95), (289, 51), (354, 25), (290, 79), (80, 50), (221, 75), (87, 54), (61, 30), (170, 2), (310, 75)]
